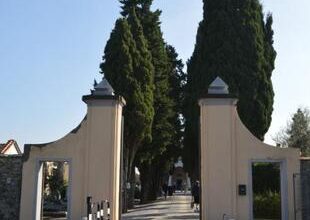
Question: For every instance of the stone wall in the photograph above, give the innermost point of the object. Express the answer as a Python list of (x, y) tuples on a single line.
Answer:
[(305, 188), (10, 186)]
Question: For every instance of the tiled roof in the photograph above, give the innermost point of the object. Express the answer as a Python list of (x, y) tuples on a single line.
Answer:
[(4, 147), (1, 147)]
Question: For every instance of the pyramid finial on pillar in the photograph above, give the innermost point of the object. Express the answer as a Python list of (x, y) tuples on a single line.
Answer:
[(218, 86), (103, 88)]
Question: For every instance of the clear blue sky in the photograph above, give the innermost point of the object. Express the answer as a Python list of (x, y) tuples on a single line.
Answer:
[(50, 52)]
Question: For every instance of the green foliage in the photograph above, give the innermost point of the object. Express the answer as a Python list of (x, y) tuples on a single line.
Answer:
[(152, 172), (126, 65), (152, 157), (297, 132), (266, 190), (267, 205), (144, 71), (163, 104), (144, 5), (233, 42), (266, 177), (177, 79)]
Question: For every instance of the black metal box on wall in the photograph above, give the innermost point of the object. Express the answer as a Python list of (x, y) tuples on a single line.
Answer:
[(242, 190)]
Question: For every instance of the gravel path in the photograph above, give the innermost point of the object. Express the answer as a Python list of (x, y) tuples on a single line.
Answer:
[(175, 207)]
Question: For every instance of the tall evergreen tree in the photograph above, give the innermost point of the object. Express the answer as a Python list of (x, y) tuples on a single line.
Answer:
[(162, 128), (148, 161), (144, 73), (151, 159), (127, 66), (233, 42), (147, 79), (177, 80), (157, 165), (150, 70)]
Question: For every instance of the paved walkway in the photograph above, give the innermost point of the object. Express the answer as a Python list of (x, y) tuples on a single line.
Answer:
[(175, 207)]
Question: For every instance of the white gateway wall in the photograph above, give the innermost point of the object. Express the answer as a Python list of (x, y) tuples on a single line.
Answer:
[(227, 152), (92, 151)]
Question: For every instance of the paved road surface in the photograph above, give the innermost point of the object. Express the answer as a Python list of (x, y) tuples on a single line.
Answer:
[(176, 207)]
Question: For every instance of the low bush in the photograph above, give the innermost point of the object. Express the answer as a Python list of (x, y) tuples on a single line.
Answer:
[(267, 205)]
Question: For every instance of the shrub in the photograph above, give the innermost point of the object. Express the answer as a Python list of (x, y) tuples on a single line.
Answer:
[(267, 205)]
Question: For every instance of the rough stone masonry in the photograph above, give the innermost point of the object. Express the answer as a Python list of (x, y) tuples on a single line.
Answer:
[(305, 188), (10, 186)]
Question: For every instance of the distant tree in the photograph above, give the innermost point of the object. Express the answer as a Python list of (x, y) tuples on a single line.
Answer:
[(297, 132), (234, 41)]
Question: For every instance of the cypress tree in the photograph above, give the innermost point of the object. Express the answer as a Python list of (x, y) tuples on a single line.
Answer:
[(177, 79), (147, 67), (118, 68), (158, 162), (233, 42), (151, 159), (162, 129), (117, 65), (127, 66), (145, 72), (150, 164)]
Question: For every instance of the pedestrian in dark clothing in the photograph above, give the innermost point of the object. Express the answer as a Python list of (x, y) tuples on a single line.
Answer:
[(165, 189), (196, 195)]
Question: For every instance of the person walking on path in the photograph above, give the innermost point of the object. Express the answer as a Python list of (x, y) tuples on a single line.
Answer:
[(165, 189), (196, 195)]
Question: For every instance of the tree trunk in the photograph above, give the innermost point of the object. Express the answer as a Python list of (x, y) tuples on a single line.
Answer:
[(129, 170), (124, 183), (150, 175), (145, 182), (131, 190)]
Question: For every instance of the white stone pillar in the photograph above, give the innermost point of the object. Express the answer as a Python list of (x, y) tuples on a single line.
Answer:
[(218, 165), (103, 154)]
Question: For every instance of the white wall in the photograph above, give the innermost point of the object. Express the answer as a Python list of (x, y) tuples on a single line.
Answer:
[(93, 154), (227, 150)]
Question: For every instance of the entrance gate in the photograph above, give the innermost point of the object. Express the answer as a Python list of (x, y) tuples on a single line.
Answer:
[(93, 152), (227, 152)]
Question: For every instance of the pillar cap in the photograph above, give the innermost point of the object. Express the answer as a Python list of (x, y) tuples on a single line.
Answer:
[(218, 89), (218, 94), (103, 88), (103, 91), (87, 98), (218, 86)]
